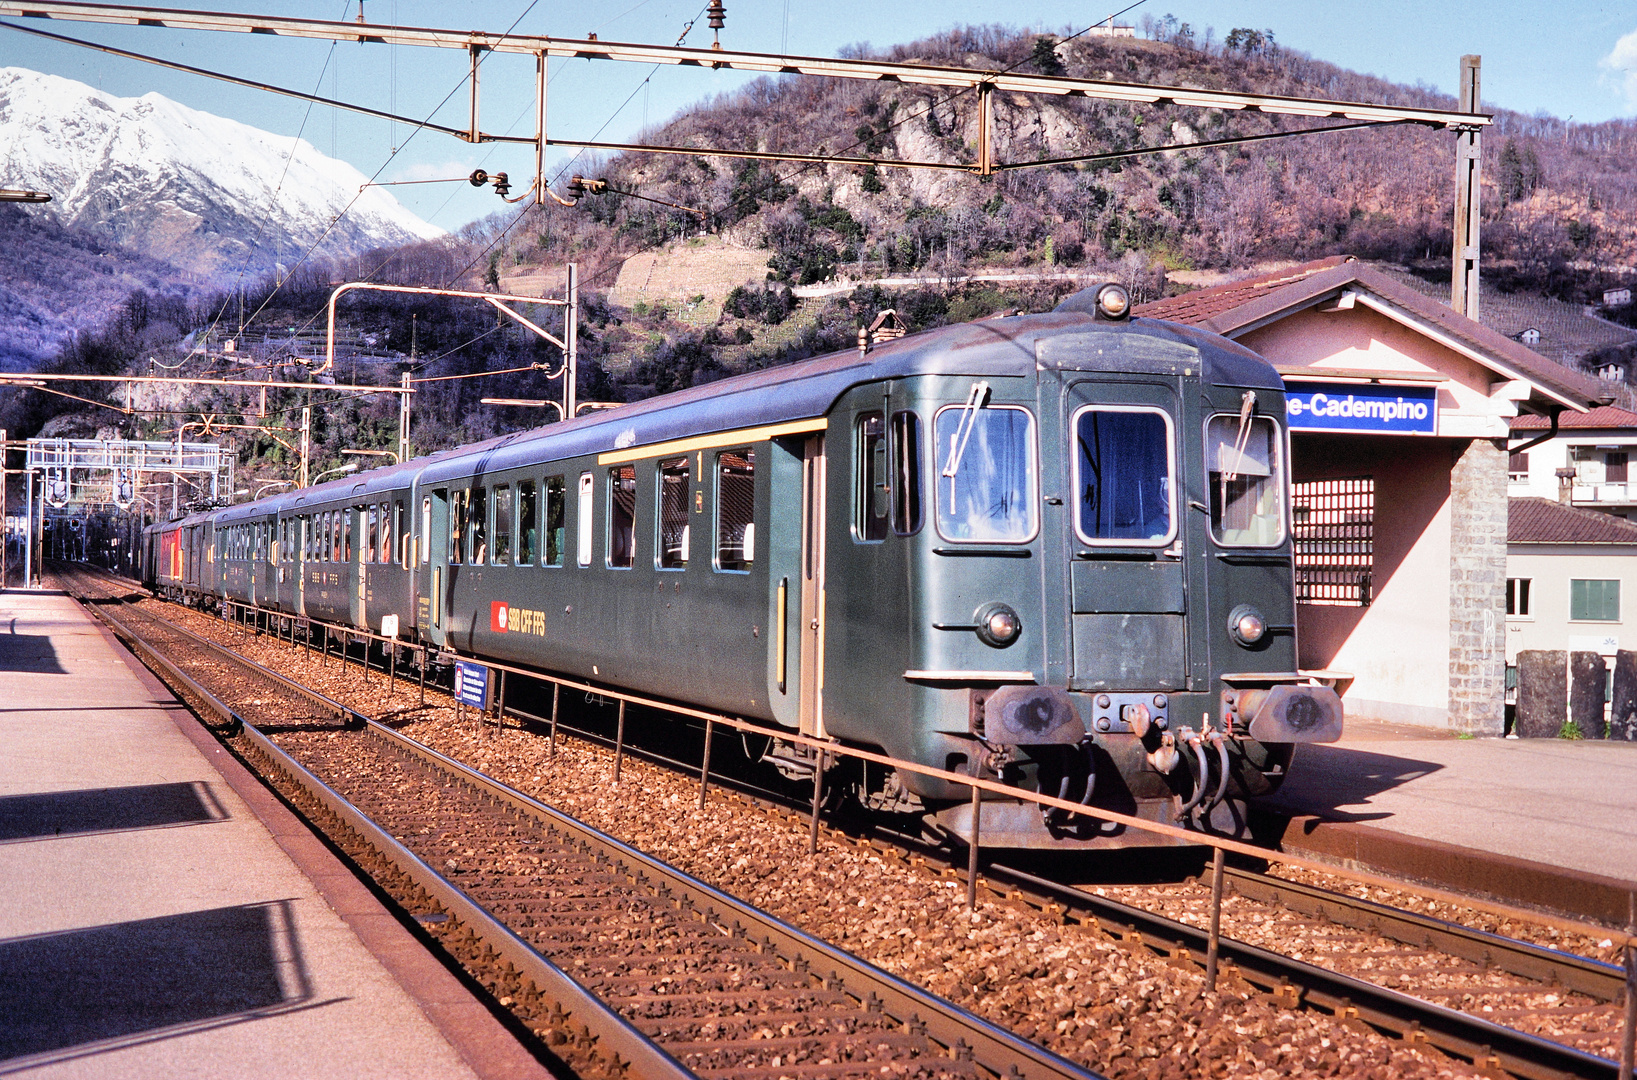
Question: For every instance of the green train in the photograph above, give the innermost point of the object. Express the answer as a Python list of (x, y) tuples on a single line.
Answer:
[(1052, 550)]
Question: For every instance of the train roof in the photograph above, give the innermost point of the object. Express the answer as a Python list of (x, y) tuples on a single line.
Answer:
[(1070, 337)]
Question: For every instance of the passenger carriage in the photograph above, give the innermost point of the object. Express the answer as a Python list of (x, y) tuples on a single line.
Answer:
[(1050, 549)]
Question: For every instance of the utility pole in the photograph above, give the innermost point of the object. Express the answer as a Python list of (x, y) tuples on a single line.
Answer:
[(28, 532), (1468, 163), (306, 440), (5, 536), (403, 421), (571, 337)]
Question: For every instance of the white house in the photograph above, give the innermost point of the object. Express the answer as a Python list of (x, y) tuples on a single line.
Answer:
[(1571, 579), (1589, 460)]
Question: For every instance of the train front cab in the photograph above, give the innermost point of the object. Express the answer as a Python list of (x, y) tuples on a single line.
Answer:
[(1091, 567)]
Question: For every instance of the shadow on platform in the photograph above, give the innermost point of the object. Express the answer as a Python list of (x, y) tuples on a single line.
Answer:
[(50, 814), (1324, 778), (32, 653), (75, 993)]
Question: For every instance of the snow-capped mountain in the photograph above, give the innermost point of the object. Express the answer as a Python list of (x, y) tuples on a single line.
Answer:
[(200, 191)]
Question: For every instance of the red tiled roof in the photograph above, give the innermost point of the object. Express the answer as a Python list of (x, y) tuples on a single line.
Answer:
[(1542, 521), (1604, 416), (1257, 301), (1202, 304)]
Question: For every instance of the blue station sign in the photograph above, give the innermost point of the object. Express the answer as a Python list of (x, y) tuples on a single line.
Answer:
[(472, 684), (1362, 408)]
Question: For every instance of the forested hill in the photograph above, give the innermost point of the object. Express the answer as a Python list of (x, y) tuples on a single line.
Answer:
[(1559, 201)]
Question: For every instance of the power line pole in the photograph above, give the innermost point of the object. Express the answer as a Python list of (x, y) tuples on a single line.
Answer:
[(1468, 163), (571, 337), (306, 440), (403, 421)]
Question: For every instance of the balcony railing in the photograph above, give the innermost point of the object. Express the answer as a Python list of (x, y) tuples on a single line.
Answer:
[(1603, 494)]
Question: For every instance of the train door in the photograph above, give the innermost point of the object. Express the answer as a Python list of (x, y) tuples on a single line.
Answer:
[(304, 549), (1127, 580), (430, 613), (361, 555), (812, 588)]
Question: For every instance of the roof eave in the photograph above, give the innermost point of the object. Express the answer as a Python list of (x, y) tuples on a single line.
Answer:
[(1378, 293)]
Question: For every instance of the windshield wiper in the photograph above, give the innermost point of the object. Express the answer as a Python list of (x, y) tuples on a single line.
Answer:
[(1241, 442), (975, 400)]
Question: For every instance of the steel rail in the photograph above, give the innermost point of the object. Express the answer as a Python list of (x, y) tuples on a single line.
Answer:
[(474, 41), (1296, 983), (997, 1051), (630, 1047), (1188, 836), (1581, 974), (1351, 1000)]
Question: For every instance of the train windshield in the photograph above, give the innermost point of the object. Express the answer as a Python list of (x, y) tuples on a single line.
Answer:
[(1247, 481), (1123, 475), (990, 499)]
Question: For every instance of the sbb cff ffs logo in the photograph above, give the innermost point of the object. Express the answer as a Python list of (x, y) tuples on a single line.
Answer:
[(505, 618)]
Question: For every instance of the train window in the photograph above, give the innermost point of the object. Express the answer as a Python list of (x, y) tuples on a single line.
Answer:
[(346, 533), (457, 526), (1122, 473), (735, 509), (906, 481), (990, 497), (673, 514), (502, 553), (872, 496), (528, 523), (622, 516), (372, 535), (556, 514), (583, 528), (477, 514), (384, 551), (1246, 480)]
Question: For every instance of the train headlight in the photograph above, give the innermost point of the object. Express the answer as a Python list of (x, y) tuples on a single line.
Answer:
[(1246, 625), (1113, 302), (998, 625)]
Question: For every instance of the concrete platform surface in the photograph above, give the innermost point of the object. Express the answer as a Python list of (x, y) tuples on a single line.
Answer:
[(1570, 804), (150, 924)]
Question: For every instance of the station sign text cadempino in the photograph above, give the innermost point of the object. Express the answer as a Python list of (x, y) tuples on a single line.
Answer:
[(1362, 407)]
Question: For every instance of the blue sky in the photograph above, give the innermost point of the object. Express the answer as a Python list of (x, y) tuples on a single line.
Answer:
[(1572, 59)]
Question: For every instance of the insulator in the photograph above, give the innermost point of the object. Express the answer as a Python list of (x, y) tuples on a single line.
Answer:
[(502, 184), (718, 15), (576, 186), (478, 178)]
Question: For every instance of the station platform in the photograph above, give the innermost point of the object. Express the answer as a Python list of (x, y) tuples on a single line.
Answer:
[(163, 914), (1534, 805)]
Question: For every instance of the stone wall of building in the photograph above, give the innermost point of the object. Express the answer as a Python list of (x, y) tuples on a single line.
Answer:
[(1477, 600)]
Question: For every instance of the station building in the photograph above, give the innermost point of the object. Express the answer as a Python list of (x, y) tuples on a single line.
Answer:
[(1400, 411)]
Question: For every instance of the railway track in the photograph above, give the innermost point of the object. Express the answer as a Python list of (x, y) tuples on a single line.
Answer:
[(1350, 990), (618, 962)]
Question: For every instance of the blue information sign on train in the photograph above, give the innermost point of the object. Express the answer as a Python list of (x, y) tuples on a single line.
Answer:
[(1362, 407)]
